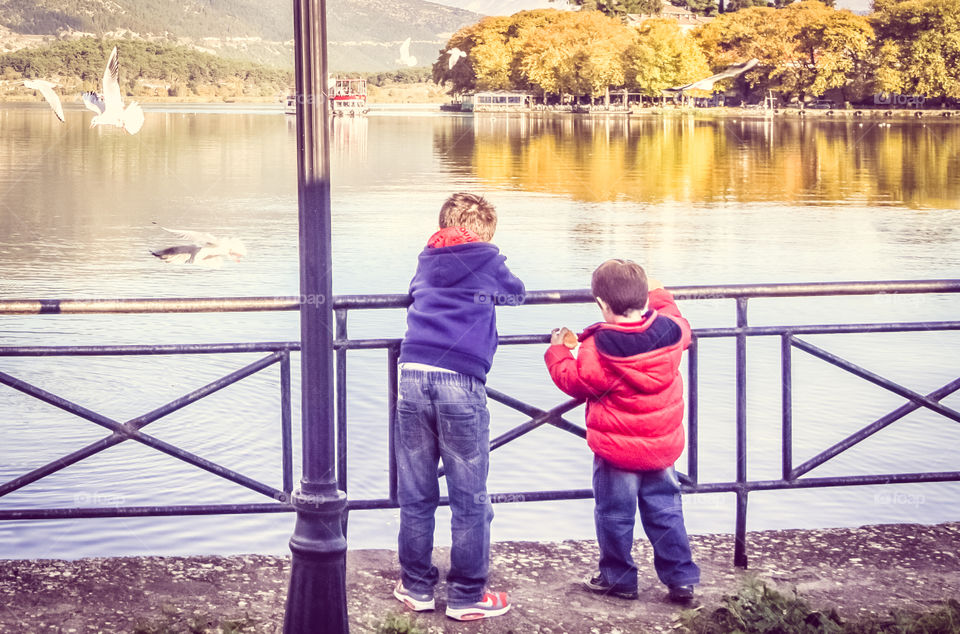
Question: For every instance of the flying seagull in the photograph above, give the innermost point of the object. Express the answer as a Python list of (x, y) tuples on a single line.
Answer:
[(455, 55), (406, 59), (109, 105), (46, 89), (205, 250), (707, 83)]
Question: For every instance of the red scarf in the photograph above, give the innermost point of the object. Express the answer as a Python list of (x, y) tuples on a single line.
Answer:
[(452, 236)]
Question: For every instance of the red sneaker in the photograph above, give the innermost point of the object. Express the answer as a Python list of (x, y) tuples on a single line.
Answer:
[(492, 604)]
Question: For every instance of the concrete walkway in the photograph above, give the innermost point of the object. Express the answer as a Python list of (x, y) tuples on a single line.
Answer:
[(860, 571)]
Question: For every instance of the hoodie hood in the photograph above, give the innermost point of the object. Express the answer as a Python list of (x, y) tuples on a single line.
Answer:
[(460, 265), (645, 372)]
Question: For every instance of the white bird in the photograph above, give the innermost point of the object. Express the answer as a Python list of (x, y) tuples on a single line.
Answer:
[(205, 250), (46, 89), (455, 55), (707, 83), (406, 59), (109, 105)]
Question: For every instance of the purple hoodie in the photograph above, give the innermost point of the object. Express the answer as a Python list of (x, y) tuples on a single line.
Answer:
[(451, 323)]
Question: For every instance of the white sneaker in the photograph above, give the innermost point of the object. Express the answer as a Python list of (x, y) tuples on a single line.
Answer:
[(414, 601)]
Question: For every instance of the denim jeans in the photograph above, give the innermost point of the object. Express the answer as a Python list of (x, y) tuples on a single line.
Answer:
[(444, 416), (618, 493)]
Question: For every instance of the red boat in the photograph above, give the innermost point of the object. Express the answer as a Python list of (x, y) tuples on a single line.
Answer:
[(348, 96)]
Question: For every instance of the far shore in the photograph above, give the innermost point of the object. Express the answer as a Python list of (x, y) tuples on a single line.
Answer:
[(854, 113)]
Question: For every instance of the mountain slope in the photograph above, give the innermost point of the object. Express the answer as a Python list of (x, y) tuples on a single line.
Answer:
[(362, 34)]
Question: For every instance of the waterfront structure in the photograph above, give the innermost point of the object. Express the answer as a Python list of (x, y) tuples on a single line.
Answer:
[(686, 19), (496, 100)]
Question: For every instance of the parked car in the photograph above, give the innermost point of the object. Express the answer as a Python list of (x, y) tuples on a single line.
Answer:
[(821, 104)]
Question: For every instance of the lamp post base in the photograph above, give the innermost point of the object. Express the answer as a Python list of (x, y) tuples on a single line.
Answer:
[(317, 599)]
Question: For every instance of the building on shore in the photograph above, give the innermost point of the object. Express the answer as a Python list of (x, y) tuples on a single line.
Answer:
[(686, 18)]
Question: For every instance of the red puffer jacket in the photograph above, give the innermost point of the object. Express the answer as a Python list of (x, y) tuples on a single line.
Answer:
[(634, 403)]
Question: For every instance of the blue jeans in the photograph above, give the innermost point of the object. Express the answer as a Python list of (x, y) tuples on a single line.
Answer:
[(443, 416), (657, 493)]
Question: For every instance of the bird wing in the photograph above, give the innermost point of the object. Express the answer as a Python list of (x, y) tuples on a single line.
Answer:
[(708, 82), (133, 118), (94, 102), (46, 89), (112, 97), (177, 255), (199, 238), (455, 55)]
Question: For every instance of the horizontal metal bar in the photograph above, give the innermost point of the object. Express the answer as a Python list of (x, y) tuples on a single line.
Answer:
[(495, 498), (373, 344), (146, 305), (830, 329), (749, 331), (141, 511), (190, 348), (238, 304), (833, 481)]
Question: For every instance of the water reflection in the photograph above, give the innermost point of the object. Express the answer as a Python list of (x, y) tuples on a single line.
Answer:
[(703, 160)]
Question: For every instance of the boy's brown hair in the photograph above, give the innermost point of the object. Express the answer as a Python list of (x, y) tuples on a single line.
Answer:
[(621, 284), (470, 212)]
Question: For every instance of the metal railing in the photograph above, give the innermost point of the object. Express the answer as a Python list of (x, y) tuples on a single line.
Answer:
[(791, 339)]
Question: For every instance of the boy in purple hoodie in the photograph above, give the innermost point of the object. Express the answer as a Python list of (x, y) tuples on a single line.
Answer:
[(442, 408)]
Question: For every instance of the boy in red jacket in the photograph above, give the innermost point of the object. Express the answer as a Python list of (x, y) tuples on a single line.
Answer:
[(627, 371)]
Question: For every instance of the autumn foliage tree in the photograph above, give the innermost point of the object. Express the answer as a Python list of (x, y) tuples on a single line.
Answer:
[(919, 46), (662, 56), (804, 49)]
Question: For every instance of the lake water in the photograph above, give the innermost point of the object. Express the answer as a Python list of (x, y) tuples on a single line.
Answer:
[(696, 200)]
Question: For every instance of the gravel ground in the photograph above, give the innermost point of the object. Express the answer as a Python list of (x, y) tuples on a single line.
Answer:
[(859, 571)]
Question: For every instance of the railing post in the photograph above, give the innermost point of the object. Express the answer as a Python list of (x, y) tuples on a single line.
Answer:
[(740, 539), (786, 388), (693, 411), (393, 357), (317, 600)]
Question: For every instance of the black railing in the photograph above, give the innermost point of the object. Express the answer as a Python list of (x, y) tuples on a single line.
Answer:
[(279, 353)]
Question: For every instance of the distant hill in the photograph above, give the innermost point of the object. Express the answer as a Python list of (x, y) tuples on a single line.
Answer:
[(363, 35)]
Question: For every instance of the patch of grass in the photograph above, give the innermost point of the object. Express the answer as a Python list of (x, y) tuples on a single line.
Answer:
[(944, 619), (399, 624), (195, 624), (759, 609)]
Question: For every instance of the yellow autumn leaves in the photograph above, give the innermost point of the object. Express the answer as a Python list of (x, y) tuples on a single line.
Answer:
[(805, 48)]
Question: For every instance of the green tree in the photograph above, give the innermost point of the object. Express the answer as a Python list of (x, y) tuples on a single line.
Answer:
[(918, 48), (804, 49), (620, 8), (663, 56), (581, 53)]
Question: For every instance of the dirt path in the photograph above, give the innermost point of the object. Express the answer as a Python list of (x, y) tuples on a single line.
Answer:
[(865, 570)]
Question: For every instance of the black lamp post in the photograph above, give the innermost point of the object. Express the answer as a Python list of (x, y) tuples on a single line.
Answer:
[(317, 599)]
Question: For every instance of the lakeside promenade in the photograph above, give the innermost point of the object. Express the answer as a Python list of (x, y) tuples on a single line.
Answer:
[(859, 571)]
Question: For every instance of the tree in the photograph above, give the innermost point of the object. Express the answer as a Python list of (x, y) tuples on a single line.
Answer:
[(805, 48), (578, 54), (620, 8), (492, 48), (919, 46), (663, 56)]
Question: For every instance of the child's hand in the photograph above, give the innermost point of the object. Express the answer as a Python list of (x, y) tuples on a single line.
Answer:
[(653, 284), (563, 336)]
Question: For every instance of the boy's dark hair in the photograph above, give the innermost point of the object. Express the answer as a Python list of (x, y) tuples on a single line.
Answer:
[(470, 212), (621, 284)]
